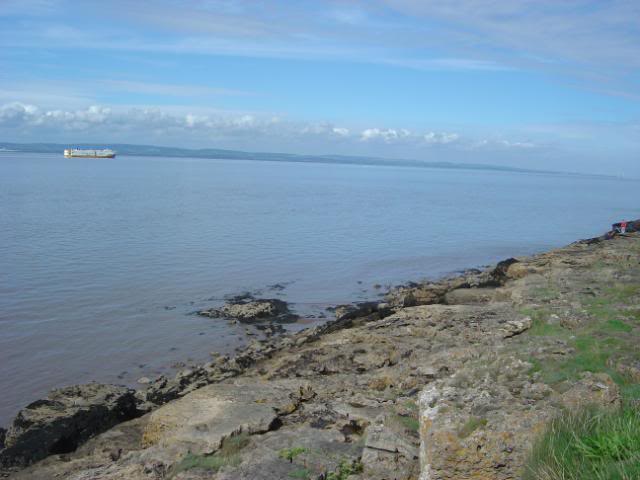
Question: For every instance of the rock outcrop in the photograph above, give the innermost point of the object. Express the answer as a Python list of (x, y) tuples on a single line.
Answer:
[(200, 421), (252, 310), (65, 419)]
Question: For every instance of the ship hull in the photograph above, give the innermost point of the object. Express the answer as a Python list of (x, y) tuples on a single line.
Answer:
[(113, 155)]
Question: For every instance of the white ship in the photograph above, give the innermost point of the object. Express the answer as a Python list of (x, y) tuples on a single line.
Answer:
[(78, 153)]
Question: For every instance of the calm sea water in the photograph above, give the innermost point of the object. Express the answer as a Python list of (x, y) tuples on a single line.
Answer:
[(102, 262)]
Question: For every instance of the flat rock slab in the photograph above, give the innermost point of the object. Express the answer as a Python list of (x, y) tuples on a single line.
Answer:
[(200, 421), (469, 296), (319, 452)]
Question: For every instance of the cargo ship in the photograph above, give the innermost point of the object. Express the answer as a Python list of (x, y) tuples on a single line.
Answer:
[(78, 153)]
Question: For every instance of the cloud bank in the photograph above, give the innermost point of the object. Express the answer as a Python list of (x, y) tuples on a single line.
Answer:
[(150, 123)]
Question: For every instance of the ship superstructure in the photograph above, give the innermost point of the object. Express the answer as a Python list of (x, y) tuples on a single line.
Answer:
[(79, 153)]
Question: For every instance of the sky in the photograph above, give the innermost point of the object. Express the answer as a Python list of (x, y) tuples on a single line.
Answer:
[(548, 84)]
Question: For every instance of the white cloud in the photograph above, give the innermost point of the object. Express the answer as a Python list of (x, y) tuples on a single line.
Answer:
[(198, 125), (502, 144), (441, 138), (325, 129), (143, 122), (404, 136), (387, 135), (507, 143), (152, 124)]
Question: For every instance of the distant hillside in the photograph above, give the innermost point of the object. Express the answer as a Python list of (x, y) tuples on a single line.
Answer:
[(155, 151)]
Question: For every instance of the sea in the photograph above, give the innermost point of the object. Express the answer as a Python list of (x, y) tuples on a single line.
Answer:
[(104, 262)]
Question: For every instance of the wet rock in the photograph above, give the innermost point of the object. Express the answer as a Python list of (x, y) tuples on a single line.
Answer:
[(499, 275), (353, 311), (144, 380), (429, 293), (64, 420), (162, 390), (271, 309)]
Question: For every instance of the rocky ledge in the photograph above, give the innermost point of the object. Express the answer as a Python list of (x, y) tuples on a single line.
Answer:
[(441, 380), (249, 310), (65, 419)]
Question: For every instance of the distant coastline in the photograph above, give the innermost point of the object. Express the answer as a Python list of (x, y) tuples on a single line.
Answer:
[(222, 154)]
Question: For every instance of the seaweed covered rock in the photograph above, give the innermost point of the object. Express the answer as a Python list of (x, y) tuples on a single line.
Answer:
[(65, 419), (250, 310)]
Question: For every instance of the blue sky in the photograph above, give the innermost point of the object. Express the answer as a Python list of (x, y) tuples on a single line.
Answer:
[(529, 83)]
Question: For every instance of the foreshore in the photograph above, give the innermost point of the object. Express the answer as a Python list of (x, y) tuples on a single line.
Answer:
[(440, 380)]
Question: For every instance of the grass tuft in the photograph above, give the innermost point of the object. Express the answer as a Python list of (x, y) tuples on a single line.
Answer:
[(301, 473), (345, 469), (228, 455), (616, 325), (471, 426), (540, 325), (291, 453), (591, 444), (410, 423)]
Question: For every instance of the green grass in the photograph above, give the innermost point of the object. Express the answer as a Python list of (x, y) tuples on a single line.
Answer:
[(211, 463), (301, 473), (410, 423), (471, 426), (228, 455), (546, 293), (590, 444), (407, 416), (345, 469), (607, 334), (291, 453), (622, 293), (540, 325), (633, 315), (411, 405), (616, 325), (591, 355)]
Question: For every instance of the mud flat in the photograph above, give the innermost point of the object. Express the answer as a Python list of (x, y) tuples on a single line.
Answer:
[(445, 380)]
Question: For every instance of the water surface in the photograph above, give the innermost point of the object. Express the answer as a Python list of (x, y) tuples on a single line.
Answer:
[(102, 262)]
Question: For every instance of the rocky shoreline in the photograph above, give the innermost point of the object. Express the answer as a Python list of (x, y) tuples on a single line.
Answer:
[(439, 380)]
